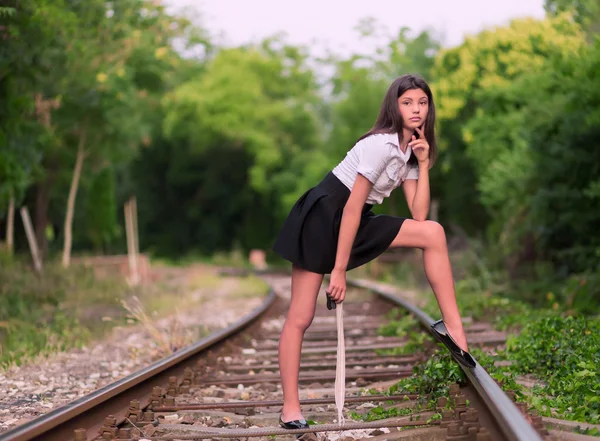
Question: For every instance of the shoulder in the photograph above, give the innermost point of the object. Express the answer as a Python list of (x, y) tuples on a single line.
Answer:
[(379, 143)]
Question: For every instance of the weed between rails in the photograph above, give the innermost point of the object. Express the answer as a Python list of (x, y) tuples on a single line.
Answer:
[(168, 339), (430, 381)]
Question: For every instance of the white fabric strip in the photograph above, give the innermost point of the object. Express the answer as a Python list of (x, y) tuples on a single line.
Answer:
[(340, 371)]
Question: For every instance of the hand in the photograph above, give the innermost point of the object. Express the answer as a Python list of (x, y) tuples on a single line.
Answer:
[(337, 286), (420, 147)]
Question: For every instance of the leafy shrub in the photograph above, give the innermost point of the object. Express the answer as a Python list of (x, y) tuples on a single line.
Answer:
[(565, 354)]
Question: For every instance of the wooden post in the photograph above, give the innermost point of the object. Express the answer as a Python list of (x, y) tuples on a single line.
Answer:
[(10, 225), (35, 254), (133, 270), (136, 236)]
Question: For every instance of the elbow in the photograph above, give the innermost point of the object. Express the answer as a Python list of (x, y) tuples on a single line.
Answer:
[(418, 216), (419, 213)]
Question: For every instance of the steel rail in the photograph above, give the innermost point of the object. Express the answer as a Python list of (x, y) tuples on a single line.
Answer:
[(113, 399), (510, 420)]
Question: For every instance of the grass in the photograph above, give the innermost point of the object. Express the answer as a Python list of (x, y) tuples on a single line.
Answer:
[(43, 314), (168, 339), (250, 286)]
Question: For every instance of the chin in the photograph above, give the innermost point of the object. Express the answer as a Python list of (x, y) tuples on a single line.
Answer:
[(413, 124)]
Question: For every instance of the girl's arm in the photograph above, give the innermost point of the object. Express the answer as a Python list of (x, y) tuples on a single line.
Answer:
[(351, 220), (417, 193), (348, 228)]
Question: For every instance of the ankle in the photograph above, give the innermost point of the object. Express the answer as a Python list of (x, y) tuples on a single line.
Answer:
[(291, 415), (453, 324)]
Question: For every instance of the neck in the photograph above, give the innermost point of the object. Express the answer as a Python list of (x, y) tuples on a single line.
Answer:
[(406, 137)]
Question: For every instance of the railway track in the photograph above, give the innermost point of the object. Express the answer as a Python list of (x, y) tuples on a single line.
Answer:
[(226, 386)]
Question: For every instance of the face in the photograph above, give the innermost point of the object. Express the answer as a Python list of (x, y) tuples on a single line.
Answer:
[(414, 106)]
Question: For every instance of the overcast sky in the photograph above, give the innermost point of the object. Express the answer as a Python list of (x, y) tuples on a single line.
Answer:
[(330, 23)]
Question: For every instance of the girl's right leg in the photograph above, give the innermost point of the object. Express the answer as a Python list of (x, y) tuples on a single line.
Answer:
[(305, 289), (431, 238)]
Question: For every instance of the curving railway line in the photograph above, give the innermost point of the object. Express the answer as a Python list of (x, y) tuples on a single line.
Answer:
[(226, 386)]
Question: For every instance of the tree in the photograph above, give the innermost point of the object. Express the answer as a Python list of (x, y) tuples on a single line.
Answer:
[(466, 78), (32, 36), (236, 138), (107, 90), (531, 142), (585, 12)]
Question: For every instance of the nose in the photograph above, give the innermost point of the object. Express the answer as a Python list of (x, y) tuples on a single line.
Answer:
[(416, 108)]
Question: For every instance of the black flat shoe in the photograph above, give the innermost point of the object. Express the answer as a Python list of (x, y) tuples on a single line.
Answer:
[(296, 424), (441, 333)]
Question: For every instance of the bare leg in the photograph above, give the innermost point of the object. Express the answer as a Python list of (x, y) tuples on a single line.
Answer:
[(430, 237), (305, 289)]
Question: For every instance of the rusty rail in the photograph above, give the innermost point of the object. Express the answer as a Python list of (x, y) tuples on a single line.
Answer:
[(114, 399)]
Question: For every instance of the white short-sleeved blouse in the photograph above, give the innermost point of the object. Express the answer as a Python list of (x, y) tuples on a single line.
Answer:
[(379, 159)]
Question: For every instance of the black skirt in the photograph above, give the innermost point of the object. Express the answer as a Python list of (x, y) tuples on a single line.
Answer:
[(309, 235)]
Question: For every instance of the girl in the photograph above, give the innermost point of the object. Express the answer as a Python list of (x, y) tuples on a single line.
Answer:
[(331, 229)]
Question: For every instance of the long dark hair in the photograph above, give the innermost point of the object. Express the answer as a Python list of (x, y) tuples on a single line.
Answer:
[(389, 119)]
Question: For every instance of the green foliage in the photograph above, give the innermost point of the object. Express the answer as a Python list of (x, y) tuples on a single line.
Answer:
[(400, 327), (564, 352), (7, 12), (484, 138), (22, 340), (258, 100), (255, 128), (380, 413), (432, 378), (545, 135), (590, 431), (101, 209), (415, 343), (505, 378), (585, 12), (406, 326), (39, 315)]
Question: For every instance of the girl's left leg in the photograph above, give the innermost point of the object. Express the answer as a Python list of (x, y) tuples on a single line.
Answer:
[(305, 289), (431, 238)]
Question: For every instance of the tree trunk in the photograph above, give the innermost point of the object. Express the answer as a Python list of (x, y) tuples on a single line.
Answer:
[(35, 254), (42, 202), (68, 228), (10, 225)]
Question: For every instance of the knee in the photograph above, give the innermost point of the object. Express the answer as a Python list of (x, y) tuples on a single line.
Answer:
[(435, 233), (300, 322)]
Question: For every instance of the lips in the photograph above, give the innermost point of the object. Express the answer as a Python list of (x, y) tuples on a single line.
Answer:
[(415, 119)]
